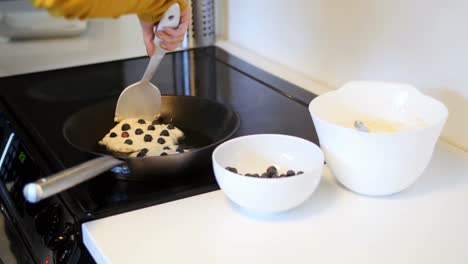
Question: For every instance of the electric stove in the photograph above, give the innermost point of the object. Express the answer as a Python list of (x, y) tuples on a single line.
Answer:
[(33, 108)]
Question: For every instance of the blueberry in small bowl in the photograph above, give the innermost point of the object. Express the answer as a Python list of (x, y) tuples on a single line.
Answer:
[(268, 173)]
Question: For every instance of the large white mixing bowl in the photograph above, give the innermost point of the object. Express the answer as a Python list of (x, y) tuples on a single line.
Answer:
[(377, 163)]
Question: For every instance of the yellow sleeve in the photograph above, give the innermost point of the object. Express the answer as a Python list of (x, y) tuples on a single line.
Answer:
[(150, 11)]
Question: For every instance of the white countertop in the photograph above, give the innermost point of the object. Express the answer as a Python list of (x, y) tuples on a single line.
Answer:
[(424, 224), (104, 40)]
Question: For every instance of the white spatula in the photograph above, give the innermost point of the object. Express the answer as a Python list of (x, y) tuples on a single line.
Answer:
[(143, 99)]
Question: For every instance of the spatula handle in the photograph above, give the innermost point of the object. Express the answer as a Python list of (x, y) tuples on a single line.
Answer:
[(171, 19), (155, 60)]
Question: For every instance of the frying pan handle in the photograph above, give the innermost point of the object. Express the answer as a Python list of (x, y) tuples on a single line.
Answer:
[(45, 187)]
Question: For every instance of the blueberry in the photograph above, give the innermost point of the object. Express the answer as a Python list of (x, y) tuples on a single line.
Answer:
[(148, 138), (164, 154), (142, 153), (156, 122), (161, 141), (290, 173), (300, 172), (141, 121), (231, 169), (125, 134), (166, 148), (145, 150), (151, 127), (256, 175), (248, 174), (283, 175), (271, 171), (128, 142), (180, 149), (170, 126), (125, 127), (264, 175), (164, 133), (113, 135), (138, 131)]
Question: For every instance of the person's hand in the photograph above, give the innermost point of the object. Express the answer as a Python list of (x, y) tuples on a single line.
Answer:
[(171, 38)]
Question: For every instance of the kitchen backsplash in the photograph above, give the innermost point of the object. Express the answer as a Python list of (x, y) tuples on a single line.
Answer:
[(422, 42)]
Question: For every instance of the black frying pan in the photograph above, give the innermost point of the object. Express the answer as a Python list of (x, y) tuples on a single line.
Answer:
[(205, 123)]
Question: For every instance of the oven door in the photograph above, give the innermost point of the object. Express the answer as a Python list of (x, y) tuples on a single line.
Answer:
[(12, 247)]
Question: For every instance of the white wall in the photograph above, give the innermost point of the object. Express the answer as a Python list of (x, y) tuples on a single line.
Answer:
[(423, 42)]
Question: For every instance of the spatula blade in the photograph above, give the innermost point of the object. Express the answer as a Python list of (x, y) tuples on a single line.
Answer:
[(141, 99)]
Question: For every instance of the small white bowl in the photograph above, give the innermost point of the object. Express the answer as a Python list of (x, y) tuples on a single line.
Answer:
[(254, 154), (381, 162)]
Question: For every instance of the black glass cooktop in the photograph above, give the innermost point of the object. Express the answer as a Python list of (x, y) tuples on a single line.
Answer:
[(41, 102)]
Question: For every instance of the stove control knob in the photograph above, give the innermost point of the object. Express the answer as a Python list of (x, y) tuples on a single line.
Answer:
[(63, 243), (56, 241), (59, 240), (48, 220), (62, 255)]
